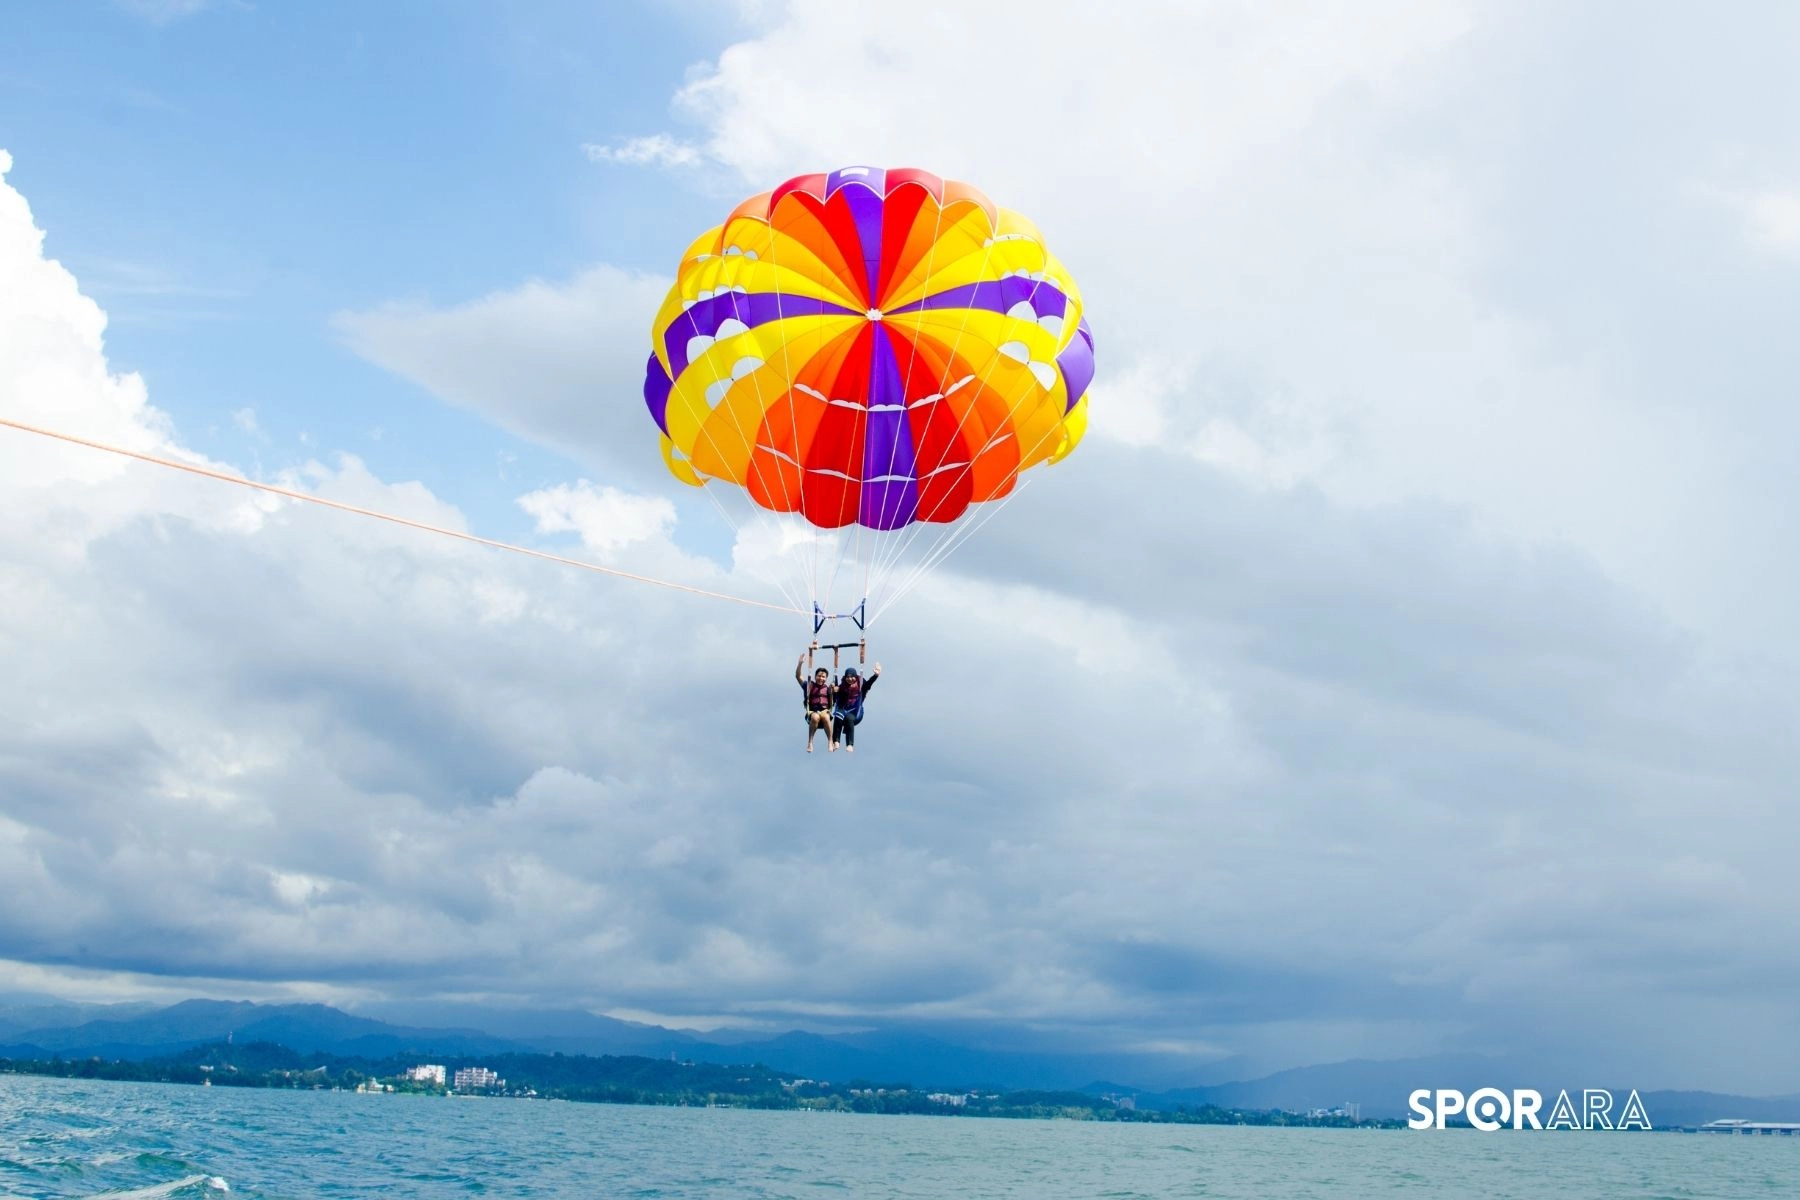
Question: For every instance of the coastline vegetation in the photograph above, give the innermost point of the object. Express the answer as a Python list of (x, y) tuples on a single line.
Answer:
[(613, 1079)]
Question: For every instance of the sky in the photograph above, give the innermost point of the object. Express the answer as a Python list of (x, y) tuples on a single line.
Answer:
[(1401, 666)]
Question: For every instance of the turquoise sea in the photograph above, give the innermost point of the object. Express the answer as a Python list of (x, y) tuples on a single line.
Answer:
[(72, 1138)]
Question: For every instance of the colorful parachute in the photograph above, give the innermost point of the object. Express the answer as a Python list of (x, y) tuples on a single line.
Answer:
[(869, 348)]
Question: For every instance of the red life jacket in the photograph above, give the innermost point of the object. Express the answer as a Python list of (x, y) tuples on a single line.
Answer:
[(818, 695), (850, 693)]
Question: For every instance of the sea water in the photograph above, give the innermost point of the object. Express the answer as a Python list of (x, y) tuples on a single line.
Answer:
[(139, 1140)]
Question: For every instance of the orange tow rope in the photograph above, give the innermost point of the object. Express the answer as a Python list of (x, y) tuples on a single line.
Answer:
[(291, 494)]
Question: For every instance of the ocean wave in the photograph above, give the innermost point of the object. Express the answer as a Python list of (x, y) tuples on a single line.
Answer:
[(197, 1183)]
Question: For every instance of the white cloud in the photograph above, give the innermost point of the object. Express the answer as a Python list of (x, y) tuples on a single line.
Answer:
[(606, 519), (1273, 739), (53, 373), (1775, 220), (561, 364), (659, 150), (1299, 212), (1770, 217), (1266, 441)]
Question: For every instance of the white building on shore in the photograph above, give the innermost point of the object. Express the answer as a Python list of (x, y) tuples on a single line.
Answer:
[(427, 1073), (468, 1079)]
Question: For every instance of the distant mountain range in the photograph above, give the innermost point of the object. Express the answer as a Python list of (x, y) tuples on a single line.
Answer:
[(42, 1026), (164, 1031)]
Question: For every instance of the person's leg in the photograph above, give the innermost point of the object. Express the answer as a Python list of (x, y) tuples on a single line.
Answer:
[(812, 727), (831, 724), (847, 731)]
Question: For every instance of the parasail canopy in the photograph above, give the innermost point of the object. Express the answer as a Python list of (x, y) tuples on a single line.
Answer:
[(877, 349)]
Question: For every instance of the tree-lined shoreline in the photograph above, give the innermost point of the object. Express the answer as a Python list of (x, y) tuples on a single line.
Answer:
[(624, 1079)]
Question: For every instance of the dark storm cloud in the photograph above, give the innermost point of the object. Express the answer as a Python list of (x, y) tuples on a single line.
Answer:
[(1200, 829)]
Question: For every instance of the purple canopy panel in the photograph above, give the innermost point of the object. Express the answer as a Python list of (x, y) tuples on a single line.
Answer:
[(863, 188), (1076, 363), (997, 295), (754, 309), (887, 445), (656, 392)]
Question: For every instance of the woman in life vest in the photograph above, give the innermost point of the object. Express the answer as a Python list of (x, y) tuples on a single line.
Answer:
[(817, 694), (847, 706)]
